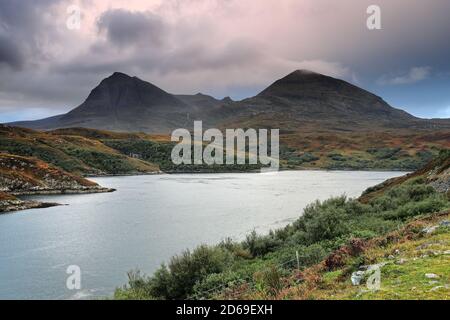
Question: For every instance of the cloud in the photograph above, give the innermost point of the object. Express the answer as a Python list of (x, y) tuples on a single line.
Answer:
[(10, 53), (125, 28), (219, 47), (25, 27), (414, 75)]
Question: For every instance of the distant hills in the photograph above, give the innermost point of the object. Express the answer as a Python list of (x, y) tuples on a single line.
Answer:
[(304, 96), (301, 100)]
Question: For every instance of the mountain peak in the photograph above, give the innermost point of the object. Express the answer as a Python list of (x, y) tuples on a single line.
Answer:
[(119, 75), (121, 96), (227, 99), (305, 82), (119, 79), (302, 73)]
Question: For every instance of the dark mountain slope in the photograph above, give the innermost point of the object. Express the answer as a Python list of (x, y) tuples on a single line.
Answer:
[(122, 103), (122, 96), (199, 100), (327, 94), (303, 100)]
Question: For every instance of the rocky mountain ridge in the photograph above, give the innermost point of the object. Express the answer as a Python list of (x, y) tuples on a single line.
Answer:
[(300, 99)]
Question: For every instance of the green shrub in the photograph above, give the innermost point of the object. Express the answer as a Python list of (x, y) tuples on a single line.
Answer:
[(115, 164), (430, 205), (269, 281), (337, 157), (260, 245), (323, 220), (308, 157), (420, 192), (178, 279), (138, 288), (371, 225), (216, 282), (383, 153)]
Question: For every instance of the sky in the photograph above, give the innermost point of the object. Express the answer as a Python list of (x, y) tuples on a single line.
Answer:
[(50, 60)]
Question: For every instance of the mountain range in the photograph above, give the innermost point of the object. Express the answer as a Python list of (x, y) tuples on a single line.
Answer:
[(302, 100)]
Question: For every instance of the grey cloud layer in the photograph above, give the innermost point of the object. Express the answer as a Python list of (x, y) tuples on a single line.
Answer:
[(124, 28), (23, 31), (10, 53), (214, 46)]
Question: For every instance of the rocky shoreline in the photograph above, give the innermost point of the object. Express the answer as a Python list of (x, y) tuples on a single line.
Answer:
[(25, 176), (9, 203), (8, 206), (63, 191)]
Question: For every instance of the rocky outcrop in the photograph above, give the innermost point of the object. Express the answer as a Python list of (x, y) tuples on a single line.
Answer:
[(439, 177), (436, 174), (25, 175), (29, 176), (9, 203)]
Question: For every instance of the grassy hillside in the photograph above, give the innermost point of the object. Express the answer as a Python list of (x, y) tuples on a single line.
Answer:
[(75, 153), (332, 238), (414, 264), (25, 175), (435, 173), (363, 150), (96, 152)]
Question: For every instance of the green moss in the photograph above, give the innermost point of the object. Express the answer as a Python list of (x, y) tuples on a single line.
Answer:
[(408, 281), (332, 276)]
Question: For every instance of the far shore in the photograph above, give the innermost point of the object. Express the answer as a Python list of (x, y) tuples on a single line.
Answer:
[(249, 171)]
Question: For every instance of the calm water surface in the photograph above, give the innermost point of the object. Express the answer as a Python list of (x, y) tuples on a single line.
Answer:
[(149, 219)]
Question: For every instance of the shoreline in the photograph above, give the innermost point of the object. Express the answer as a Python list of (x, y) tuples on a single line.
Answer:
[(16, 204), (249, 171), (61, 191), (11, 206)]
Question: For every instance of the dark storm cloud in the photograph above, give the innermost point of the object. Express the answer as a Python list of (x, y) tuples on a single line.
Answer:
[(24, 14), (27, 36), (152, 44), (124, 28), (22, 24), (10, 53)]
